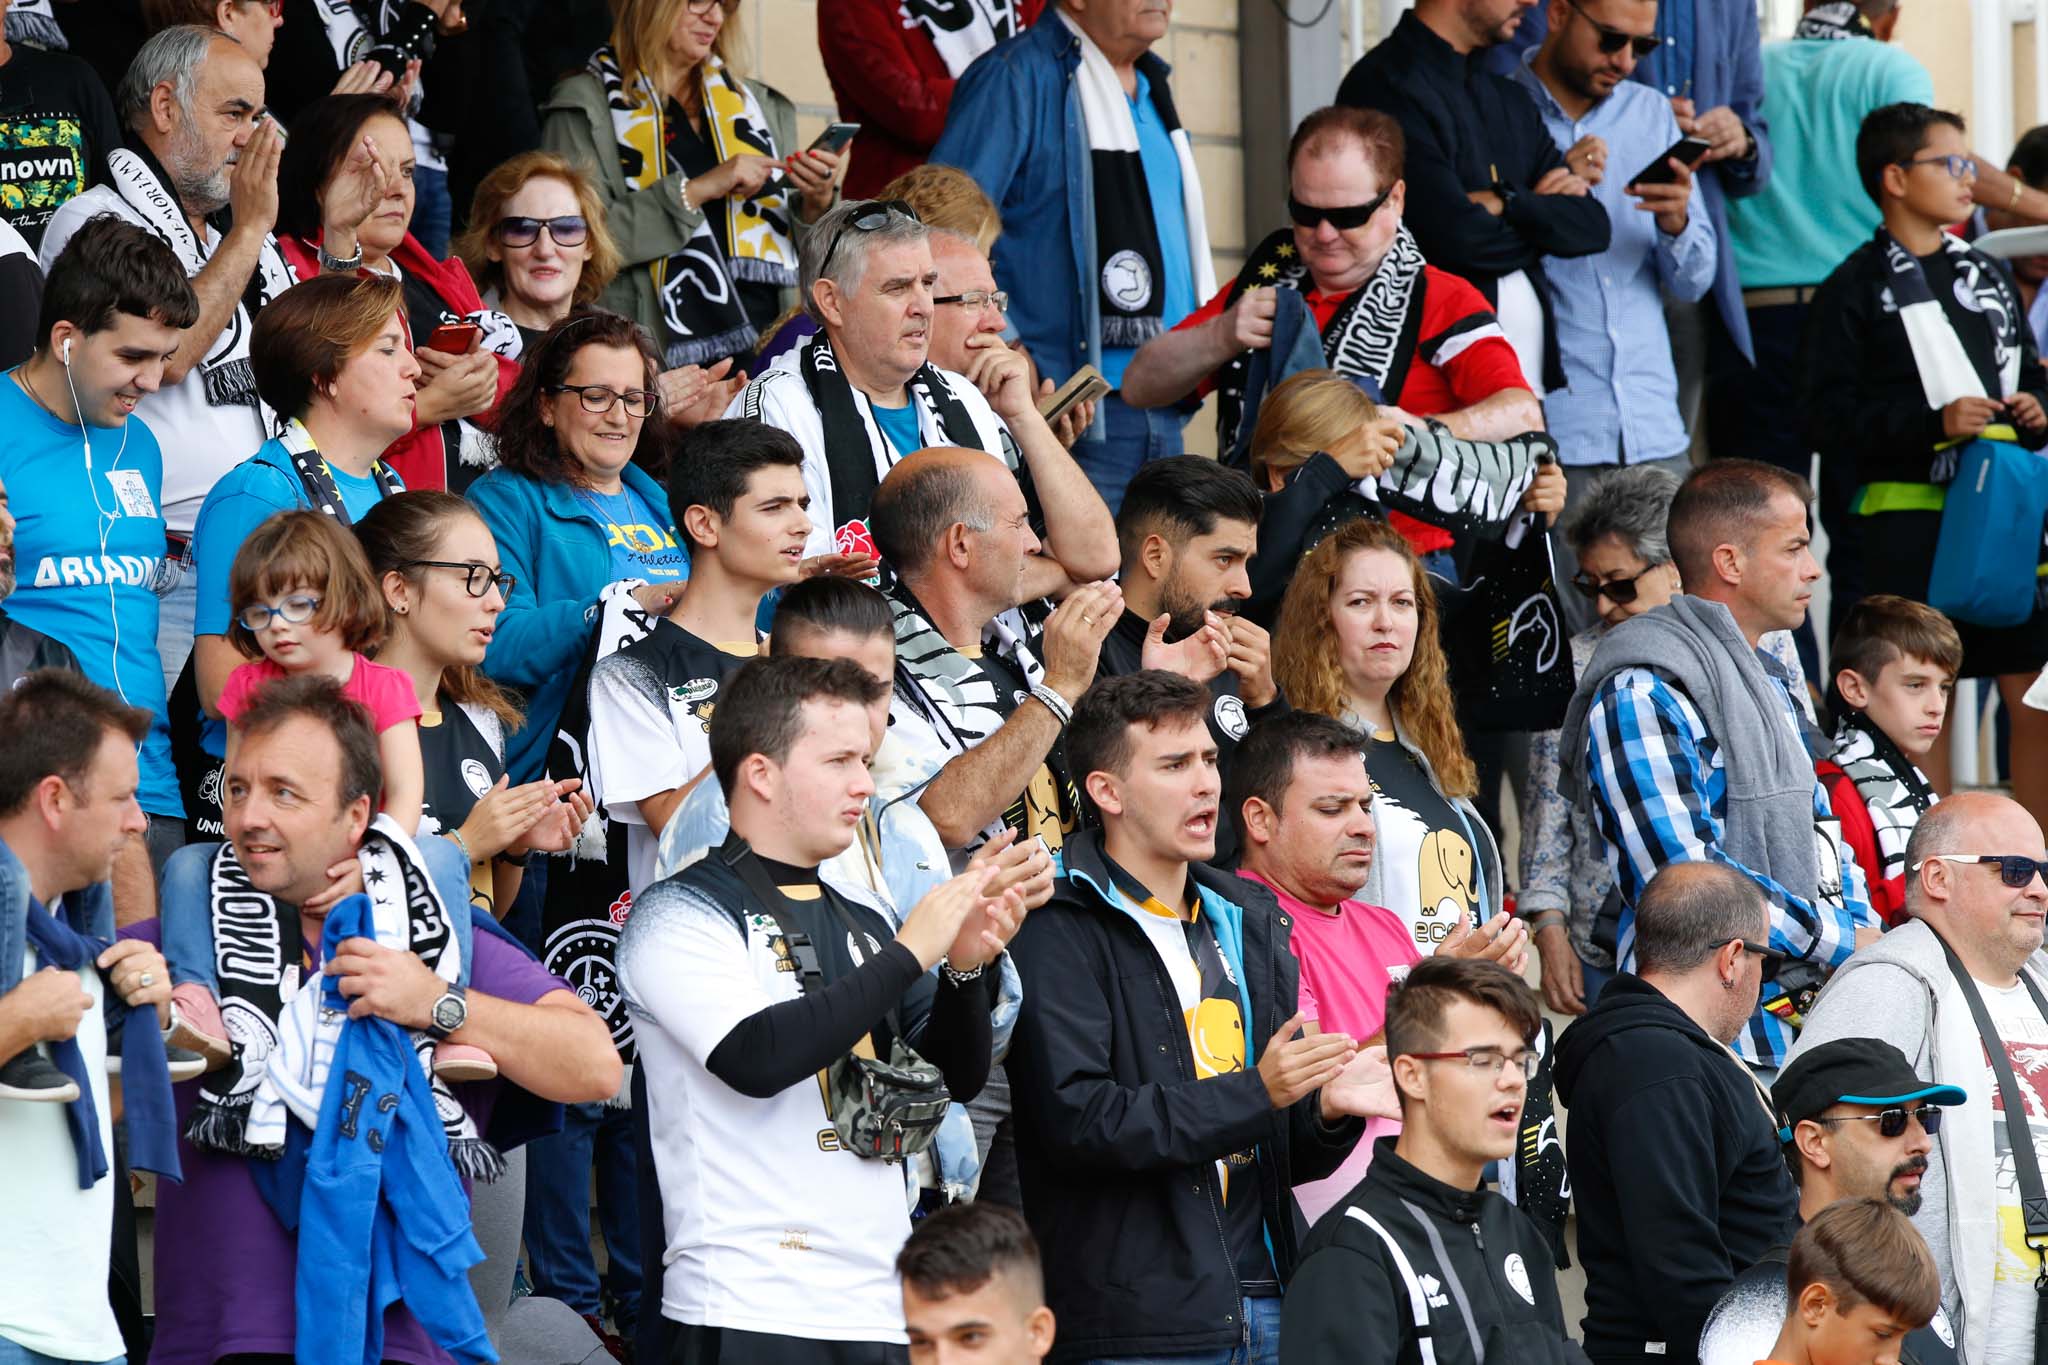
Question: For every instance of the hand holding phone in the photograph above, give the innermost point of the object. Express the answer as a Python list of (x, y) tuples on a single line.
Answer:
[(455, 338), (835, 137), (1687, 152)]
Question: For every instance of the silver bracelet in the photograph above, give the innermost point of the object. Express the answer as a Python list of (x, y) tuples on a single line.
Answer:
[(334, 265), (1055, 703), (957, 977), (462, 844)]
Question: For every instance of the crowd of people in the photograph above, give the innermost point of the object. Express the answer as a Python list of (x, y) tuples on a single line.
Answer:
[(670, 759)]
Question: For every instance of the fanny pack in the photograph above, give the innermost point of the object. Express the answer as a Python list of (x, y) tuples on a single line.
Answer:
[(881, 1110)]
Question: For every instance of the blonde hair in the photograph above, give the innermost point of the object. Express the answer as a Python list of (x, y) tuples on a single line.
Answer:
[(947, 199), (473, 247), (640, 35), (1307, 412), (1306, 666)]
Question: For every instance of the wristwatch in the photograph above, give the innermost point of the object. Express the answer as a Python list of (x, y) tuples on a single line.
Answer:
[(450, 1013)]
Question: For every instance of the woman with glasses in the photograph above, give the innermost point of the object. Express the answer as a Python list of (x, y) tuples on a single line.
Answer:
[(700, 172)]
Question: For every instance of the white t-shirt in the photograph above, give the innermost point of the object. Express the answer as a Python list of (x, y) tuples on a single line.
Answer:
[(768, 1225), (2009, 1332), (200, 442), (54, 1237)]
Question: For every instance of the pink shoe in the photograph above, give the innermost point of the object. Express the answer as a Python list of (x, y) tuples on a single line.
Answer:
[(461, 1062), (196, 1025)]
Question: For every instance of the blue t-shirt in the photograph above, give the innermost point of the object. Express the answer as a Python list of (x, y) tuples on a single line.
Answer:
[(97, 596), (1169, 220), (642, 545), (899, 425), (244, 498)]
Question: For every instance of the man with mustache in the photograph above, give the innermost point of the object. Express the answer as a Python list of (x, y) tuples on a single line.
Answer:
[(1858, 1124)]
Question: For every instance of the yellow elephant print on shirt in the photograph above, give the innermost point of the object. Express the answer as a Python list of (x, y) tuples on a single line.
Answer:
[(1444, 878), (1216, 1032)]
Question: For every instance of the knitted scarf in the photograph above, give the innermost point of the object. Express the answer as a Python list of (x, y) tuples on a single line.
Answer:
[(1893, 789), (961, 29), (33, 21), (1946, 372)]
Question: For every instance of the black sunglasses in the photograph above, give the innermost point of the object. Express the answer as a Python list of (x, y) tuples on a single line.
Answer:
[(1613, 40), (2014, 869), (1620, 591), (1770, 957), (568, 230), (1342, 219), (867, 217), (1891, 1123)]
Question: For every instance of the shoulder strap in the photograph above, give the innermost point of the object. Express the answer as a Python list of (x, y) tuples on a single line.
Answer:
[(1418, 1300), (810, 974)]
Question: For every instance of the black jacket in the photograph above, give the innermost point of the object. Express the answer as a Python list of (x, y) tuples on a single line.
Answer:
[(1116, 1139), (1468, 129), (1675, 1168), (24, 649), (1470, 1265)]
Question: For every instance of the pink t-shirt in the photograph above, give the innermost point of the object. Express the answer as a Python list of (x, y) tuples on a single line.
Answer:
[(1347, 962), (385, 693)]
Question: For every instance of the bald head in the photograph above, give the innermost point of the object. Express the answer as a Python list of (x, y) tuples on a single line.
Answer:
[(1688, 910)]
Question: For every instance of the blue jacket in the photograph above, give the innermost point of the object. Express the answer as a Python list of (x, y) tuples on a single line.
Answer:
[(1015, 126), (554, 546)]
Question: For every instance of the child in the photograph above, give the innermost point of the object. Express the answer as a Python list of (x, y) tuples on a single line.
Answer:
[(302, 600), (1858, 1280), (1895, 666)]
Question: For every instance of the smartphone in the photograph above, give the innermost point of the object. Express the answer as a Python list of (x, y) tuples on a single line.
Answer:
[(455, 338), (1086, 385), (835, 137), (1687, 151)]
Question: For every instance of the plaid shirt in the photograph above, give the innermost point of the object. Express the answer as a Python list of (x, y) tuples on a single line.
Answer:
[(1660, 796)]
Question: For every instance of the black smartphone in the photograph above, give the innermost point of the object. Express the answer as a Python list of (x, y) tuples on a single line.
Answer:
[(835, 137), (1687, 151)]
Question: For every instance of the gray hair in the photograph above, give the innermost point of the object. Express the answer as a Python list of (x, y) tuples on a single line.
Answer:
[(918, 503), (1688, 909), (1633, 505), (175, 55), (850, 261)]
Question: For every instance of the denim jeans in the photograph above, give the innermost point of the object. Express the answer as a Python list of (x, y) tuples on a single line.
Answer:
[(558, 1256), (12, 1354), (1132, 436), (175, 610), (1262, 1320)]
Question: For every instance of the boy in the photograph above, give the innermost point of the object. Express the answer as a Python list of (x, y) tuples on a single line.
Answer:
[(1895, 666), (973, 1289), (1859, 1279)]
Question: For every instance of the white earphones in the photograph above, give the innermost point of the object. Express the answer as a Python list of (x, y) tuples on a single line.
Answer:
[(65, 354)]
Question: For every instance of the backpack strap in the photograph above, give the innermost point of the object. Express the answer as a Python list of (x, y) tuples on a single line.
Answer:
[(1418, 1300)]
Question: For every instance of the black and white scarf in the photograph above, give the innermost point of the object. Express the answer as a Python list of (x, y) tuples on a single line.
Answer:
[(1131, 268), (1834, 22), (1896, 792), (317, 480), (34, 22), (229, 379), (358, 30), (1946, 371), (962, 29), (283, 1040)]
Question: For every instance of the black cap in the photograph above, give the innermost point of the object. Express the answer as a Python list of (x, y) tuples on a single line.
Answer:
[(1850, 1071)]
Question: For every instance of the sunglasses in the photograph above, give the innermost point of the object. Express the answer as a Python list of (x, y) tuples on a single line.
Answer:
[(478, 579), (568, 230), (868, 217), (1342, 219), (1620, 591), (1770, 957), (2014, 869), (1891, 1123), (1613, 40)]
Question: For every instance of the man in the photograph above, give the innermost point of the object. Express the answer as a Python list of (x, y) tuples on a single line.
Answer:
[(973, 1289), (87, 474), (1977, 912), (980, 705), (1857, 1123), (1493, 196), (1107, 245), (300, 792), (969, 318), (1677, 699), (1146, 1125), (56, 128), (1421, 1257), (67, 806), (1620, 403), (864, 392), (1674, 1149), (739, 490), (756, 978)]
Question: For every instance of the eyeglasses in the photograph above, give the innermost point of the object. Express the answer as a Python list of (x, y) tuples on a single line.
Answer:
[(275, 8), (1620, 591), (478, 579), (1891, 1123), (1959, 167), (866, 217), (600, 397), (2014, 869), (1342, 219), (568, 230), (1613, 40), (295, 610), (1489, 1061), (1765, 953), (978, 298)]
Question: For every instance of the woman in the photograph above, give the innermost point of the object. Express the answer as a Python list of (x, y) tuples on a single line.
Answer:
[(572, 509), (1358, 640), (338, 143), (696, 171), (438, 569)]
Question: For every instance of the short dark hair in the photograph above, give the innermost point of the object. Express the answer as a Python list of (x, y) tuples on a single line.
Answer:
[(1721, 503), (324, 132), (1417, 1003), (110, 266), (1263, 765), (714, 462), (761, 709), (52, 723), (1865, 1251), (527, 445), (961, 1248), (1892, 135), (826, 605), (1688, 909), (1882, 628), (307, 696), (2030, 156), (1099, 737), (1180, 498), (1386, 148), (917, 502)]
